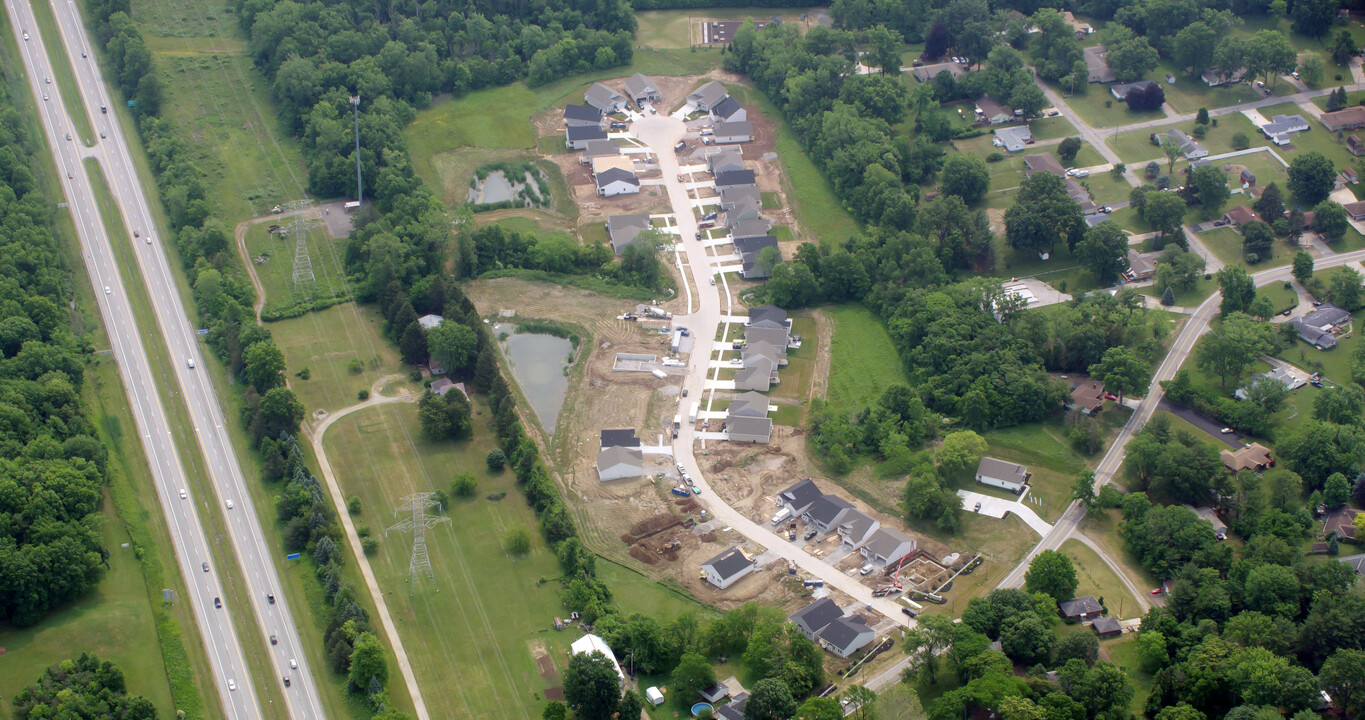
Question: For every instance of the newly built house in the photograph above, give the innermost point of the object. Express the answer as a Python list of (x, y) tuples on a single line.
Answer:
[(708, 96), (747, 420), (752, 266), (798, 498), (728, 110), (813, 618), (727, 568), (620, 456), (617, 181), (887, 546), (999, 473), (640, 88), (622, 230), (604, 98), (845, 636), (582, 116), (577, 137), (855, 529), (826, 513), (738, 131)]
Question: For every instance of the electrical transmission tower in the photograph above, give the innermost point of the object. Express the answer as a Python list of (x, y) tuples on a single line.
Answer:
[(303, 222), (415, 506)]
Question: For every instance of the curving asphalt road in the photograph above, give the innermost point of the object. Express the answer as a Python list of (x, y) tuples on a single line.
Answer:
[(661, 133), (253, 553)]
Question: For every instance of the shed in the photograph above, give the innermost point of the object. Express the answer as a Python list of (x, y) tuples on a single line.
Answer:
[(1106, 627), (654, 696)]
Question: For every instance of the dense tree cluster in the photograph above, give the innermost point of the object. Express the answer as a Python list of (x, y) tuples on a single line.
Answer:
[(86, 688), (52, 467), (1174, 464), (492, 249)]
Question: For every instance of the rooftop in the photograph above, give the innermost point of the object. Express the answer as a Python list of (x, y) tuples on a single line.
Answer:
[(620, 438), (729, 563), (1075, 607), (1001, 469), (585, 113), (616, 175)]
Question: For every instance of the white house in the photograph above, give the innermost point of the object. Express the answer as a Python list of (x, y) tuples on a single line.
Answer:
[(641, 88), (577, 137), (887, 546), (845, 636), (619, 463), (582, 116), (856, 528), (617, 182), (727, 568), (998, 473), (1013, 138), (729, 110), (708, 96), (813, 618), (1281, 127), (741, 131)]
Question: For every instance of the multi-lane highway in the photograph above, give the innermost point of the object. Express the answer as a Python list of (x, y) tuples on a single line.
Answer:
[(253, 553)]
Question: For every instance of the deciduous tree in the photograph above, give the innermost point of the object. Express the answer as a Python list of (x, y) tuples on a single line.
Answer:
[(1311, 177), (1051, 572)]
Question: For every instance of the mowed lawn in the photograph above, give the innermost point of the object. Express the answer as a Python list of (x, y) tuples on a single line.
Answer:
[(115, 621), (469, 631), (863, 360), (1095, 578), (326, 342), (272, 256)]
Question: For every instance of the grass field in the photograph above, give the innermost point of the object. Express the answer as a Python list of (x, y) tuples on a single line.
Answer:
[(790, 394), (1053, 127), (863, 361), (820, 214), (326, 342), (1091, 108), (222, 102), (461, 624), (1097, 579), (275, 268)]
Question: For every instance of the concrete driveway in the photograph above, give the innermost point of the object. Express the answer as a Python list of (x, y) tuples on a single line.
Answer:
[(999, 508)]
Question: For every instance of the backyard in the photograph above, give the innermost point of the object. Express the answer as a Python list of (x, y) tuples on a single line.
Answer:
[(863, 360)]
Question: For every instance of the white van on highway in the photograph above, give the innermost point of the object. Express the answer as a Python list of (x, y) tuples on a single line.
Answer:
[(190, 362)]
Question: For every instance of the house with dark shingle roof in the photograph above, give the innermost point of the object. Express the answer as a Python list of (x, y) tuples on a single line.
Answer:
[(1355, 562), (620, 438), (1121, 91), (1097, 65), (616, 181), (736, 178), (767, 316), (927, 73), (993, 112), (1042, 162), (799, 496), (727, 568), (845, 636), (1081, 608), (826, 513), (576, 137), (582, 116), (749, 250), (813, 618), (1106, 626), (735, 709), (1354, 145), (728, 110)]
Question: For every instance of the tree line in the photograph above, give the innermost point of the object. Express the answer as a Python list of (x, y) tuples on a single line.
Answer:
[(85, 688), (52, 467)]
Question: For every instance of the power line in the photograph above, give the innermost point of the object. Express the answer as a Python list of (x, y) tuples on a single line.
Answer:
[(415, 506)]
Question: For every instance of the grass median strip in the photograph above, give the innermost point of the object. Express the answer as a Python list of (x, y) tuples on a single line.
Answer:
[(61, 67), (236, 594)]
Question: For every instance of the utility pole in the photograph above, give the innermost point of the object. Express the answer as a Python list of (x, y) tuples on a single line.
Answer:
[(359, 188)]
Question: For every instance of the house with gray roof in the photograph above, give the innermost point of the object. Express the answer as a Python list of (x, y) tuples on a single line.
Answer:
[(708, 96), (723, 160), (1321, 327), (727, 568), (1097, 65), (582, 116), (740, 203), (1042, 162), (799, 496), (826, 513), (1078, 193), (748, 429), (1095, 218), (576, 137), (615, 181), (1121, 91), (988, 110), (736, 178), (749, 404), (750, 250), (598, 148), (856, 528), (767, 316), (734, 710), (887, 546), (750, 227), (1218, 77), (640, 88), (927, 73), (845, 636), (728, 110), (1281, 127), (813, 618), (1106, 626), (733, 131), (1355, 562), (1081, 608), (759, 374), (999, 473), (604, 98), (430, 321), (1013, 138), (1280, 375), (618, 463), (622, 230), (1191, 149), (776, 337)]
